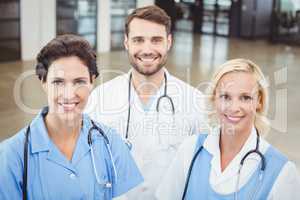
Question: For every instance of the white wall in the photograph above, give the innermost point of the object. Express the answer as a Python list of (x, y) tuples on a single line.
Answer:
[(38, 26), (103, 27), (141, 3)]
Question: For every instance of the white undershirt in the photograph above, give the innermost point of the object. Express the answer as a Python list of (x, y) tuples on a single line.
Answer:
[(225, 182)]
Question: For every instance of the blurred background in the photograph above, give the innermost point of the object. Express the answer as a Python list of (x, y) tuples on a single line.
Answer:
[(206, 34)]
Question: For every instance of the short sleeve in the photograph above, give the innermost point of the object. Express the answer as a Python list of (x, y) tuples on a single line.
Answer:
[(287, 185), (128, 174), (10, 172)]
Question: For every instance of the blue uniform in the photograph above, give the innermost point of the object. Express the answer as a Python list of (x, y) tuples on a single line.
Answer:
[(199, 186), (52, 176)]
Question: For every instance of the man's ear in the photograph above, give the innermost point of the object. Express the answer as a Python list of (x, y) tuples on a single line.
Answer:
[(169, 41), (125, 41)]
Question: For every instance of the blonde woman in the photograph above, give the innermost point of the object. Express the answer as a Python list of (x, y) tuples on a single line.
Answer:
[(233, 161)]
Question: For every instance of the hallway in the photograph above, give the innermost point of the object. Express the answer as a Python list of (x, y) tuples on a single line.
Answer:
[(193, 59)]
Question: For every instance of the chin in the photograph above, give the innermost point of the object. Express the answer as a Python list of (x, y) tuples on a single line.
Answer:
[(232, 128), (70, 118)]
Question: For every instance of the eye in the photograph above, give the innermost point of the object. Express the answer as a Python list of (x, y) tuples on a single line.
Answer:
[(138, 40), (80, 82), (58, 82), (224, 97), (246, 98), (157, 40)]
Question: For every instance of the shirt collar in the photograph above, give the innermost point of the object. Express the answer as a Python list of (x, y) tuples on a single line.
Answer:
[(165, 70), (39, 137), (38, 133), (211, 144), (82, 146), (156, 95)]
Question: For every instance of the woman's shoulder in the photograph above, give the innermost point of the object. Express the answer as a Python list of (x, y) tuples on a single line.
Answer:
[(11, 149), (271, 152), (15, 141), (288, 167)]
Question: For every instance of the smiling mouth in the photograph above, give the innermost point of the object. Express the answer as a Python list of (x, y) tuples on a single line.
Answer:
[(68, 106), (147, 59), (233, 119)]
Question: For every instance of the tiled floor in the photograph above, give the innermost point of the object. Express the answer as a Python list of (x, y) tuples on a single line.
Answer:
[(193, 59)]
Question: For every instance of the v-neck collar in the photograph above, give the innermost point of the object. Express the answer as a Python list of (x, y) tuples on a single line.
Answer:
[(40, 141), (151, 104), (211, 144)]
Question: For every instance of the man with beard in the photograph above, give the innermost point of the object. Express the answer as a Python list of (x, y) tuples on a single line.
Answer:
[(153, 110)]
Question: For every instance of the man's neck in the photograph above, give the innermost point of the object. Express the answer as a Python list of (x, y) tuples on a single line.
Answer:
[(147, 86)]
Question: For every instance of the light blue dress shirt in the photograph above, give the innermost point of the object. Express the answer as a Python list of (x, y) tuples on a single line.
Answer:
[(52, 176)]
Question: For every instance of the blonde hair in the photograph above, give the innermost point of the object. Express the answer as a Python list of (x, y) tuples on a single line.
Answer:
[(243, 65)]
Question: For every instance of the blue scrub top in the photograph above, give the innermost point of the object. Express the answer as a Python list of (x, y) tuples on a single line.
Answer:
[(256, 188), (52, 176)]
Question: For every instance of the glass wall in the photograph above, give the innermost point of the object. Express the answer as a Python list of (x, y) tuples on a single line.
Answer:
[(78, 17), (204, 16), (119, 11), (216, 17), (286, 21), (10, 48)]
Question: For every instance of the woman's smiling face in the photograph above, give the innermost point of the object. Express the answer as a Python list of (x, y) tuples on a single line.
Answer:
[(236, 100), (67, 86)]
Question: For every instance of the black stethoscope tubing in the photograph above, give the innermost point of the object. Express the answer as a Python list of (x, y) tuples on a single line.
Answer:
[(25, 156), (256, 150), (165, 95)]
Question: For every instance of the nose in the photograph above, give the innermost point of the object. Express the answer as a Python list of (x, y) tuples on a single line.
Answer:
[(147, 47), (69, 91), (234, 106)]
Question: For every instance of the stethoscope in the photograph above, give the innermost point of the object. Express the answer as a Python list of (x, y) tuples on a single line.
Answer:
[(256, 151), (165, 95), (90, 142)]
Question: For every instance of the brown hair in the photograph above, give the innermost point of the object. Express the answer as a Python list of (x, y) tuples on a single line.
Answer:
[(150, 13), (65, 46)]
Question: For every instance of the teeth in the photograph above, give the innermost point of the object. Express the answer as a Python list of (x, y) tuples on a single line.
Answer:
[(147, 59), (68, 106), (234, 119)]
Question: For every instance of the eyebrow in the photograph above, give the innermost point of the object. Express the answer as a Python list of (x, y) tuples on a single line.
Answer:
[(57, 78), (250, 94), (79, 78), (137, 37), (153, 37), (246, 93), (239, 94), (157, 37)]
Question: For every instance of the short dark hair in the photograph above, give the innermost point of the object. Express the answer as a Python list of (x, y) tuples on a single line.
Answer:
[(150, 13), (65, 46)]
